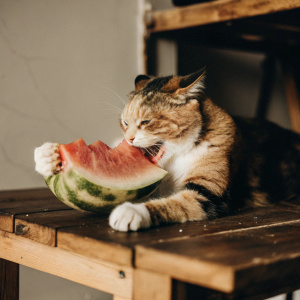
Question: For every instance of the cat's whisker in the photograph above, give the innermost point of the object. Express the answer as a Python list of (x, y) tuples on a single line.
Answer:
[(116, 107), (148, 151), (152, 153), (158, 145), (156, 149), (108, 114), (115, 93), (111, 112), (108, 109)]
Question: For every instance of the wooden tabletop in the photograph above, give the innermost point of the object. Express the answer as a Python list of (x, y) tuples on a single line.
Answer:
[(215, 12), (255, 252)]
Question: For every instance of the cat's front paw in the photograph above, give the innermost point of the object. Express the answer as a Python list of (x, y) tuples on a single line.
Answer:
[(130, 216), (47, 159)]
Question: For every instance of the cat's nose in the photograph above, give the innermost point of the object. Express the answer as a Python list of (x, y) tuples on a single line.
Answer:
[(131, 139)]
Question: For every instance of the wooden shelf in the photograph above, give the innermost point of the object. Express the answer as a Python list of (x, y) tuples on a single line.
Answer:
[(215, 12)]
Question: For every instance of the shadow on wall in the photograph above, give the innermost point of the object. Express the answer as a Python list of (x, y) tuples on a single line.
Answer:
[(233, 80)]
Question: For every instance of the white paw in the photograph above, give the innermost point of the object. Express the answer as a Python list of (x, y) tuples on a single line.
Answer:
[(47, 159), (130, 216)]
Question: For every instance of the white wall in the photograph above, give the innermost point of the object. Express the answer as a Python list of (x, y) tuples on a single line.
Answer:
[(58, 62)]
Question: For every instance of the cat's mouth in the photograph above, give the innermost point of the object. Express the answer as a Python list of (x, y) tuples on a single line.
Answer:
[(154, 153)]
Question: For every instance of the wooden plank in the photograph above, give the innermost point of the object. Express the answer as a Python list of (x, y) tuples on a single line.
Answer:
[(246, 261), (24, 202), (216, 11), (9, 280), (92, 232), (151, 286), (101, 248), (102, 275), (42, 227), (99, 241), (22, 194)]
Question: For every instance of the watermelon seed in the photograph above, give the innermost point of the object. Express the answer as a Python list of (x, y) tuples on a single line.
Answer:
[(122, 274)]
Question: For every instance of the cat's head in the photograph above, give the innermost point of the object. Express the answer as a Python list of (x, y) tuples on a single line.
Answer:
[(163, 109)]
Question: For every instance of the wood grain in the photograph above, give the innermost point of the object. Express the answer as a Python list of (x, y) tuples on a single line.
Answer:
[(22, 194), (90, 234), (244, 261), (23, 202), (98, 274), (112, 251), (9, 280), (42, 227), (151, 286), (253, 248), (216, 11), (98, 240)]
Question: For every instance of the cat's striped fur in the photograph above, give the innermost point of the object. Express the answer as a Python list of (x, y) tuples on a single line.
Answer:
[(216, 162)]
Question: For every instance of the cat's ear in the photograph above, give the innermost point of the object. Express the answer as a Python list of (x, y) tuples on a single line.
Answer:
[(192, 84), (141, 81)]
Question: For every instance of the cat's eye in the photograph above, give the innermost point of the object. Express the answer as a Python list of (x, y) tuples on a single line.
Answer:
[(125, 122), (145, 122)]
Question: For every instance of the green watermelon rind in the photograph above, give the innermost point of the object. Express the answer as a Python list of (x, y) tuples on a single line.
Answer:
[(79, 193)]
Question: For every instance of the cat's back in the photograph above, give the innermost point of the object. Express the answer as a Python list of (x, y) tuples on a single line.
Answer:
[(266, 135), (268, 164)]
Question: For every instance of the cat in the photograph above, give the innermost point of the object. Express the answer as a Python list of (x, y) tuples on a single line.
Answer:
[(216, 163)]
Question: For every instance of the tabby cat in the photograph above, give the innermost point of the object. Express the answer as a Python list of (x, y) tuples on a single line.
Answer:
[(216, 163)]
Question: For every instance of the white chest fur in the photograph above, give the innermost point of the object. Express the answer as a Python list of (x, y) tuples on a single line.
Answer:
[(178, 161)]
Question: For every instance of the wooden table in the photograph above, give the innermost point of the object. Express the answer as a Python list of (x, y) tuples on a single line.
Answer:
[(218, 11), (253, 254)]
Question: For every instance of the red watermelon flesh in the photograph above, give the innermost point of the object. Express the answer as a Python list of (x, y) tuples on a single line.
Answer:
[(121, 167)]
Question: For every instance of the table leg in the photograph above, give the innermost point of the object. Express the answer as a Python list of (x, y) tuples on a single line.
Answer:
[(151, 286), (9, 280), (289, 296), (266, 88), (292, 95)]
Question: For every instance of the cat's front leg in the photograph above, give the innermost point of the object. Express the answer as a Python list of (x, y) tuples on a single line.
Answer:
[(179, 208), (130, 216), (47, 159)]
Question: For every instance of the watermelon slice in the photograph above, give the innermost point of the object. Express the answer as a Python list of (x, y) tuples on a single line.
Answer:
[(95, 177)]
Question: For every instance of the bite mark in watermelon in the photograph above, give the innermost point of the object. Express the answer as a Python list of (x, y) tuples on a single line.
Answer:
[(96, 177)]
